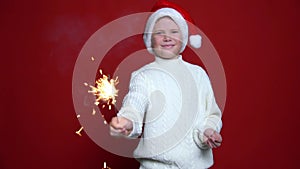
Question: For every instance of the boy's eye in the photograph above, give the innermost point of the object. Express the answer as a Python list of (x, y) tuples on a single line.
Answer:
[(158, 33), (175, 31)]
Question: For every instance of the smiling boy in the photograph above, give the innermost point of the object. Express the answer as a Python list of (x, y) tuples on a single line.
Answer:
[(170, 103)]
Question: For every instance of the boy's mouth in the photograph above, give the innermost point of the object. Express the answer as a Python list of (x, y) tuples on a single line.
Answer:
[(167, 46)]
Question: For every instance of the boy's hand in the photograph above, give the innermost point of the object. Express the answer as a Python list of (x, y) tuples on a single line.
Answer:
[(212, 138), (120, 126)]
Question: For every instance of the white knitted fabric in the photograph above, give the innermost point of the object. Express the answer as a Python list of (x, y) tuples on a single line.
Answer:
[(175, 101)]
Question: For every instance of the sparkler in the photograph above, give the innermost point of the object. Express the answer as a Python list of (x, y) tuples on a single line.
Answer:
[(105, 90)]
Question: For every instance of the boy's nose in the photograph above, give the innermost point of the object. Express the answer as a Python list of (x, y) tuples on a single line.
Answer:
[(167, 38)]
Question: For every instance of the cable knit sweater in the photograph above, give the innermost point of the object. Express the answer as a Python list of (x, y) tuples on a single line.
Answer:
[(171, 103)]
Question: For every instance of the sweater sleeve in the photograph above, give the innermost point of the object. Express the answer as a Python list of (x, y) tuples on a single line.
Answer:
[(212, 115), (135, 103), (213, 112)]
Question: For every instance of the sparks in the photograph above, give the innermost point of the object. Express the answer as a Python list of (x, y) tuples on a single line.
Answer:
[(105, 166), (105, 90), (94, 112), (92, 58), (78, 132)]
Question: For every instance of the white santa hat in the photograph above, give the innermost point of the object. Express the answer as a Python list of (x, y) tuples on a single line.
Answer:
[(181, 17)]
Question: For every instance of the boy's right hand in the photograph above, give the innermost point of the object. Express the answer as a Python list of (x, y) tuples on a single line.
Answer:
[(120, 126)]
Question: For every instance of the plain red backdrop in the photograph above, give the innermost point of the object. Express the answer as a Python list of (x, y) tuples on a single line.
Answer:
[(258, 43)]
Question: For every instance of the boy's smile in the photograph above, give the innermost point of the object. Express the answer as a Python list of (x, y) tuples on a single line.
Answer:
[(167, 46)]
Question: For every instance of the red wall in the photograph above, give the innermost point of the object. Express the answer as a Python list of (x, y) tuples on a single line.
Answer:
[(258, 43)]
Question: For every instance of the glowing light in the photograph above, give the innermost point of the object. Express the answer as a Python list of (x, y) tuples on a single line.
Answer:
[(94, 112), (78, 115), (105, 166), (78, 132), (105, 90), (92, 58)]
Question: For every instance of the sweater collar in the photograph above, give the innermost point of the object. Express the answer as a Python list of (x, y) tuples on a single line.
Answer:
[(163, 61)]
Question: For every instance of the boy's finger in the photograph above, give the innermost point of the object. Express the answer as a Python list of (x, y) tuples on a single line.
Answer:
[(207, 141), (114, 132), (115, 120), (216, 144), (117, 127), (210, 144), (216, 137)]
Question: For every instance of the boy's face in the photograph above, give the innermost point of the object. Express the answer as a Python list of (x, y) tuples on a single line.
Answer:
[(166, 38)]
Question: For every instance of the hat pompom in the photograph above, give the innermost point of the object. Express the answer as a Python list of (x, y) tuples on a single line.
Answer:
[(195, 41)]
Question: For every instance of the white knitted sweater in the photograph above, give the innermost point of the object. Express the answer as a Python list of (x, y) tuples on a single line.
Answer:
[(171, 103)]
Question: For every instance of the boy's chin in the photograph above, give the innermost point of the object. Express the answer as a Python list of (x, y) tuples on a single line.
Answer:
[(167, 55)]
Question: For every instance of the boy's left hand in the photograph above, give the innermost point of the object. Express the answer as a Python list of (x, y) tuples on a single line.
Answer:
[(212, 138)]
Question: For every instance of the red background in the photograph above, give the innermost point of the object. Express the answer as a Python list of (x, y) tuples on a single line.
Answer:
[(258, 43)]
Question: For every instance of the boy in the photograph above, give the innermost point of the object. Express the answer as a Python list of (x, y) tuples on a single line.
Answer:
[(170, 103)]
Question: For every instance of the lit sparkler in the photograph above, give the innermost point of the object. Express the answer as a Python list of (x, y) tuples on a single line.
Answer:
[(105, 90)]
